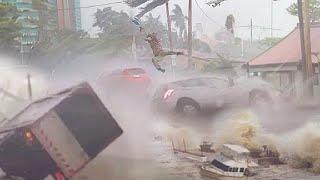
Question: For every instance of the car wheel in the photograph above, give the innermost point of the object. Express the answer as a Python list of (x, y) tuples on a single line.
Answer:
[(187, 106), (259, 99)]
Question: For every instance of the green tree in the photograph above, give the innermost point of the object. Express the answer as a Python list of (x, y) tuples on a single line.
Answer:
[(154, 24), (314, 7), (179, 20), (117, 29), (47, 15), (9, 28), (113, 23), (230, 23)]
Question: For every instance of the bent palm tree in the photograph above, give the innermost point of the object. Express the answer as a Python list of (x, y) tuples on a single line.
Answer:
[(179, 20), (230, 23)]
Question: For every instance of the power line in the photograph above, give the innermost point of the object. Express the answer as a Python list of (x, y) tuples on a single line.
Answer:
[(91, 6), (214, 21), (258, 27)]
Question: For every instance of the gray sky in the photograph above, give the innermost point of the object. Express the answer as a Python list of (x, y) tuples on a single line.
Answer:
[(243, 10)]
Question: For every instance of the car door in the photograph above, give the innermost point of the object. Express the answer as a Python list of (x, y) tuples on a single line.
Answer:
[(215, 92), (195, 89), (236, 94)]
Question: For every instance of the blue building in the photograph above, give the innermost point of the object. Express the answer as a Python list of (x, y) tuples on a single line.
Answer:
[(28, 17), (51, 6), (69, 14), (76, 19)]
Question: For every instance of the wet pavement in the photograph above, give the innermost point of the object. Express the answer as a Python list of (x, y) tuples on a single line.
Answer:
[(137, 155)]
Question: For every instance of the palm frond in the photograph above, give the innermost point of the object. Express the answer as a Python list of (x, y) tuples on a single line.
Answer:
[(150, 6), (135, 3)]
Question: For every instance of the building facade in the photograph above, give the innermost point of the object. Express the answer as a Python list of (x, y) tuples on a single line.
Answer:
[(69, 14), (281, 65), (51, 7), (76, 21), (28, 18)]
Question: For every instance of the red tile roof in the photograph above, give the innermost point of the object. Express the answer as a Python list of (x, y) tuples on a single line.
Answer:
[(288, 50)]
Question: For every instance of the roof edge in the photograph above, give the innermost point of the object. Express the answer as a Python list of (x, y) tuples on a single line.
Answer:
[(273, 46)]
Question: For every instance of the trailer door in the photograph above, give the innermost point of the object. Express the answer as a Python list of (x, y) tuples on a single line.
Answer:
[(60, 144)]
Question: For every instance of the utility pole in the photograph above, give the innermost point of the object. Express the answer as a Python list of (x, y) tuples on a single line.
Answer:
[(251, 31), (21, 50), (271, 24), (304, 25), (29, 87), (133, 45), (169, 26), (170, 36), (190, 34), (251, 27), (134, 48)]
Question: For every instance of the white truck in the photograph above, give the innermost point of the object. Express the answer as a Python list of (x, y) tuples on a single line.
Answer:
[(57, 135)]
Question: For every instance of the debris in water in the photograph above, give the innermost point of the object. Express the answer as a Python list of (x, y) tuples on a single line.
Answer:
[(243, 128), (302, 147)]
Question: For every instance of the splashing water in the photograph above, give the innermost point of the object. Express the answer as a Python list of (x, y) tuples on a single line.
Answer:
[(302, 147), (243, 128)]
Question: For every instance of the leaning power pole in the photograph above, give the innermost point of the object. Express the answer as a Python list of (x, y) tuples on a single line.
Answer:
[(304, 25), (170, 35), (169, 25), (190, 34)]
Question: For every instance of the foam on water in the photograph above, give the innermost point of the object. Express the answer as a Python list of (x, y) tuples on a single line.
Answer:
[(302, 146)]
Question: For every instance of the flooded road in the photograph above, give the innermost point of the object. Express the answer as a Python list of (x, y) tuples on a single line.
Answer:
[(144, 151)]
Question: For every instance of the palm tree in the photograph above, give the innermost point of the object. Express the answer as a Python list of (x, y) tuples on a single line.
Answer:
[(230, 23), (179, 20)]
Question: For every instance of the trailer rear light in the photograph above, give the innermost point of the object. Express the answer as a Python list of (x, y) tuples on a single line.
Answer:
[(136, 76), (28, 135), (59, 176), (168, 93)]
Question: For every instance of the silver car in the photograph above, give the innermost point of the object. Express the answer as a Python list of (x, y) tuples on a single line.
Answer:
[(210, 93)]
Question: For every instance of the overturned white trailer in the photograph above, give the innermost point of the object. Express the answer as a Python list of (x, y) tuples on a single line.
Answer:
[(57, 135)]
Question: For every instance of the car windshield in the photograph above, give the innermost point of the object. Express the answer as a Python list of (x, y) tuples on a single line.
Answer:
[(214, 82), (190, 83)]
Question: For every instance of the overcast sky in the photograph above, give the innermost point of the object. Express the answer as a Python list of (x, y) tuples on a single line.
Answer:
[(243, 10)]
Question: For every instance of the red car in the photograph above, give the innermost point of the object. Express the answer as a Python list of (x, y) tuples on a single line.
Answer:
[(136, 75), (127, 79)]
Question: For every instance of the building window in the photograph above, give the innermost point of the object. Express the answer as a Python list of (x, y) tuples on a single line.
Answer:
[(220, 165), (235, 170)]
